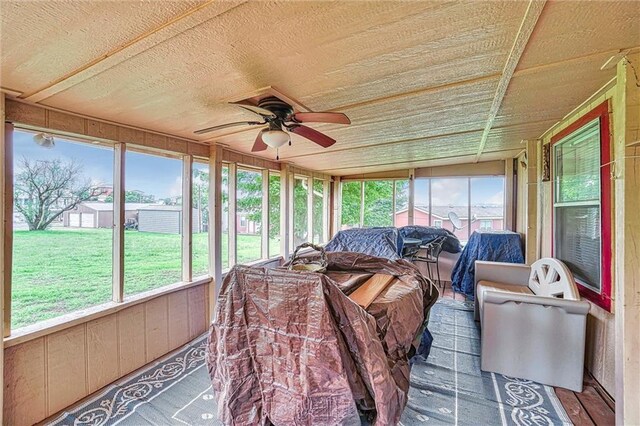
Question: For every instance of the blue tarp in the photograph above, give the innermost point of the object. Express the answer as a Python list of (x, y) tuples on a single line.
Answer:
[(380, 242), (430, 233), (495, 246)]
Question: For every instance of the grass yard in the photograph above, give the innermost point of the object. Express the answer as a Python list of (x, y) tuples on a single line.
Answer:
[(63, 270)]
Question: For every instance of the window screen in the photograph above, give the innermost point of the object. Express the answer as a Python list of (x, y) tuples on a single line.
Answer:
[(577, 204)]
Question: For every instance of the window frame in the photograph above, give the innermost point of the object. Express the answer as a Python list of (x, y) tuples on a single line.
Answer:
[(601, 113)]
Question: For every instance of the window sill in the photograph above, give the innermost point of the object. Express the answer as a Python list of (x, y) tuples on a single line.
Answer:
[(43, 328)]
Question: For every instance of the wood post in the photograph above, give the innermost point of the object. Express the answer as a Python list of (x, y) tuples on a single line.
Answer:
[(233, 214), (286, 207), (264, 228), (626, 175), (531, 243), (187, 218), (412, 196), (509, 202), (309, 209), (326, 209), (337, 205), (215, 226), (5, 247), (119, 154)]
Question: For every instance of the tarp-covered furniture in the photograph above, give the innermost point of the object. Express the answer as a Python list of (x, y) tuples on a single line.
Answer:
[(495, 246), (427, 234), (381, 242), (290, 347), (533, 322)]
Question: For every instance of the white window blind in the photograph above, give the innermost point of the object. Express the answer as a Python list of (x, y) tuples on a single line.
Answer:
[(577, 204)]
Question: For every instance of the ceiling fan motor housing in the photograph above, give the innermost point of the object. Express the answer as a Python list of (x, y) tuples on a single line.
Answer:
[(280, 108)]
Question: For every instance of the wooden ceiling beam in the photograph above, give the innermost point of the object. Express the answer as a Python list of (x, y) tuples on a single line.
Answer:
[(179, 24), (529, 22)]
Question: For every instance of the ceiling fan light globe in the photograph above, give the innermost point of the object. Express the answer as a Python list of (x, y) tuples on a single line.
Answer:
[(44, 140), (275, 138)]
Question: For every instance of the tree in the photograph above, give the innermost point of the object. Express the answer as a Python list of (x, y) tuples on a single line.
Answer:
[(133, 196), (44, 189)]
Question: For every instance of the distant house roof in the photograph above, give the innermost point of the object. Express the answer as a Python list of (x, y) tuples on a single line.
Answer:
[(486, 211), (109, 206)]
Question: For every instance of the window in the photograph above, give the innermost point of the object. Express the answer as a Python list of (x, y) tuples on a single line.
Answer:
[(153, 210), (200, 204), (351, 198), (300, 211), (274, 214), (62, 228), (487, 203), (450, 200), (421, 206), (401, 218), (249, 212), (437, 223), (581, 203), (318, 210), (378, 203)]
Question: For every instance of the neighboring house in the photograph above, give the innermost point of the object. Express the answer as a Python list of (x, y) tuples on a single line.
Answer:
[(246, 226), (94, 214), (484, 217), (164, 219)]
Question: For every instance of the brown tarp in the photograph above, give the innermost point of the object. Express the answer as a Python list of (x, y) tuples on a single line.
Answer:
[(290, 348)]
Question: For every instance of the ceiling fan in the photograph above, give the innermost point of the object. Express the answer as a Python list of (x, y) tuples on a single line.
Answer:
[(281, 119)]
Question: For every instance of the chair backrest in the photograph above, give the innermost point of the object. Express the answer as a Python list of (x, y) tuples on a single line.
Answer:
[(551, 278)]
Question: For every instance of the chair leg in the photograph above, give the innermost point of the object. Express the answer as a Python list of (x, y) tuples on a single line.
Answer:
[(429, 271), (438, 272)]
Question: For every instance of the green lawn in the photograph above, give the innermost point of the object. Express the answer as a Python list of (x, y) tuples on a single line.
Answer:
[(64, 270)]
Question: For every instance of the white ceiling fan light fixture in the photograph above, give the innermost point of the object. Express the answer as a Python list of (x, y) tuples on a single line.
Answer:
[(275, 138), (45, 140)]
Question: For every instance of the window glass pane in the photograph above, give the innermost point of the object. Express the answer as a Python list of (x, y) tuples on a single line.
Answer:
[(351, 196), (225, 217), (487, 203), (274, 214), (249, 212), (153, 212), (577, 242), (402, 203), (378, 203), (62, 228), (577, 165), (318, 208), (200, 204), (300, 209), (421, 203), (450, 199)]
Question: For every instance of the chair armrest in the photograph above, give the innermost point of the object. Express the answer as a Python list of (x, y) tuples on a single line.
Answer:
[(579, 307), (501, 272)]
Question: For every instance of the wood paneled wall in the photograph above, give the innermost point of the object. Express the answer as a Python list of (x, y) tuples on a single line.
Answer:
[(47, 374), (600, 347)]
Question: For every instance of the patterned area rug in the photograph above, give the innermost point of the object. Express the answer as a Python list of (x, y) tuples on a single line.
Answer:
[(447, 388)]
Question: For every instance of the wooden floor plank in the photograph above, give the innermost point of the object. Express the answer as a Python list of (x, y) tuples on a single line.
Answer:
[(598, 410), (574, 408)]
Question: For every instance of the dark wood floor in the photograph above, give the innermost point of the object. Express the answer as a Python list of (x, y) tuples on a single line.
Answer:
[(592, 406)]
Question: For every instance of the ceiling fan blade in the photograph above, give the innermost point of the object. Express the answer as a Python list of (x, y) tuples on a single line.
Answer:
[(259, 144), (313, 135), (320, 117), (224, 126), (263, 112)]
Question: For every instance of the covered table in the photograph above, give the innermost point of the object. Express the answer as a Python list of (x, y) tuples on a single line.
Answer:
[(290, 347), (495, 246)]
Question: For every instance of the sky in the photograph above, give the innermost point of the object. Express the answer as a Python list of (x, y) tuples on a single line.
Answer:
[(151, 174), (454, 191)]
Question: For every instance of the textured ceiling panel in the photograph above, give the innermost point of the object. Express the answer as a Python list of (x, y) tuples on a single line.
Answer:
[(327, 55), (416, 150), (44, 40), (571, 29), (550, 93), (437, 112)]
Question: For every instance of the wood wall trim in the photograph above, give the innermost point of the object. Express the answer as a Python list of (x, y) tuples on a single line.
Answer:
[(73, 319), (3, 264), (187, 218), (119, 154), (485, 168), (240, 158), (65, 123)]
